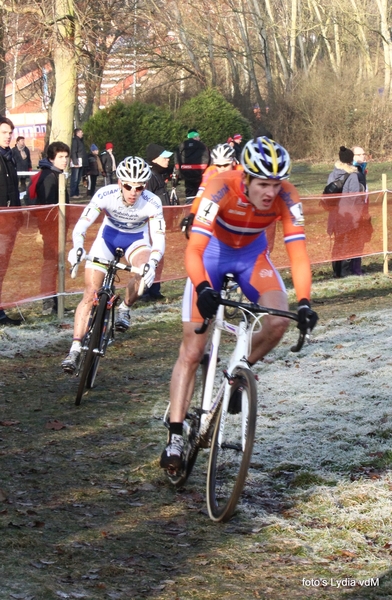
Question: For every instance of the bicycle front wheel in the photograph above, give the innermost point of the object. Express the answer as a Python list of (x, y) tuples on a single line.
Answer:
[(91, 359), (106, 332), (231, 447)]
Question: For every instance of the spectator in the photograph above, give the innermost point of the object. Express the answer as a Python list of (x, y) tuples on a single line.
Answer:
[(360, 163), (192, 157), (95, 168), (48, 193), (343, 220), (22, 159), (158, 158), (79, 162), (108, 161), (9, 197), (237, 139)]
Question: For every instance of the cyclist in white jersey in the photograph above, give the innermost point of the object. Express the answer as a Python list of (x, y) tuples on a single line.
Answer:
[(133, 217)]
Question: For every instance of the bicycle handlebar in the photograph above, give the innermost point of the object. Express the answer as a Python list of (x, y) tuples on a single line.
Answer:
[(257, 309), (105, 262)]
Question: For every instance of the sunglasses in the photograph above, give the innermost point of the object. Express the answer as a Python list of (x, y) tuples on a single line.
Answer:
[(137, 188), (224, 166)]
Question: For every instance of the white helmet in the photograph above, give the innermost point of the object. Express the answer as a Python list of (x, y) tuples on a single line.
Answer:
[(134, 169), (266, 159), (222, 154)]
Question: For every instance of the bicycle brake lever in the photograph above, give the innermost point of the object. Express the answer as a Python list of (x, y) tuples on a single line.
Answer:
[(300, 342), (204, 327)]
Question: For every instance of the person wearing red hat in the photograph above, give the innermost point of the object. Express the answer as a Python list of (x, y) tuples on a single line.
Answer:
[(108, 161), (237, 139)]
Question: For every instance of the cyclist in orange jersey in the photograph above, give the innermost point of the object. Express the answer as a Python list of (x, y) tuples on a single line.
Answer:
[(228, 235)]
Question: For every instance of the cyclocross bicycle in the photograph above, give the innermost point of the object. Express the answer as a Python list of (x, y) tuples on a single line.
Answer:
[(100, 329), (225, 419)]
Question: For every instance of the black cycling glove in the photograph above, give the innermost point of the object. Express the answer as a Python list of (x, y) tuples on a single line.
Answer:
[(307, 318), (207, 300)]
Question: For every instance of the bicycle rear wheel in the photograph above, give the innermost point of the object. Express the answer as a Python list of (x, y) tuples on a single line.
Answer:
[(191, 450), (231, 448), (90, 359), (234, 293)]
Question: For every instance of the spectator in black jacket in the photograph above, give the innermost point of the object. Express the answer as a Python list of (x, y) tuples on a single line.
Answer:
[(95, 169), (48, 193), (22, 159), (9, 197), (237, 139), (158, 158), (79, 162), (192, 157), (108, 161)]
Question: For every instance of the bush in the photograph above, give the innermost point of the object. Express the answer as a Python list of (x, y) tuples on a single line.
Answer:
[(214, 118), (131, 127)]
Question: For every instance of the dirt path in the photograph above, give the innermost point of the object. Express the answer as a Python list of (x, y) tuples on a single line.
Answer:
[(86, 513)]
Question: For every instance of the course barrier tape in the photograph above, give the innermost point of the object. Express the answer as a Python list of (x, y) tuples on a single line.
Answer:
[(29, 242)]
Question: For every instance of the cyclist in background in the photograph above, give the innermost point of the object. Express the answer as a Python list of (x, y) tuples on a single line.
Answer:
[(228, 235), (223, 159), (132, 216)]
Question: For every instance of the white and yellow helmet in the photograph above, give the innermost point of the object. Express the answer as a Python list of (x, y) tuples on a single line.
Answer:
[(134, 169), (266, 159)]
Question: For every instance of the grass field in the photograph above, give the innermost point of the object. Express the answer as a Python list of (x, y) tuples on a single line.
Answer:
[(85, 511)]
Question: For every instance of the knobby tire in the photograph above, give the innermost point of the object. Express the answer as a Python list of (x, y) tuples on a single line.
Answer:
[(229, 463), (91, 356), (103, 342)]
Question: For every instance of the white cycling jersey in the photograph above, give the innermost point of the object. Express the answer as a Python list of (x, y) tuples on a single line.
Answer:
[(145, 216)]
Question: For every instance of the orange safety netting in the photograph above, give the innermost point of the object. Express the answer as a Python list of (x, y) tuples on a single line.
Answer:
[(349, 227)]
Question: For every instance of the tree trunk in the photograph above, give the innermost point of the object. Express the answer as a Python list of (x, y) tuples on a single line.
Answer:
[(64, 59)]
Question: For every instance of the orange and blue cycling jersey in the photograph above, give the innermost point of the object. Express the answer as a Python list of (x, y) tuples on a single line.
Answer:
[(211, 171), (228, 235)]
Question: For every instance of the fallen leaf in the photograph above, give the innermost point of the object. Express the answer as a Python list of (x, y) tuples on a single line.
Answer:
[(9, 423), (55, 425), (3, 496), (348, 553)]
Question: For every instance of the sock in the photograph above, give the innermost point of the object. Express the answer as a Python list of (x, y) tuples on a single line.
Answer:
[(76, 345), (124, 306), (176, 428)]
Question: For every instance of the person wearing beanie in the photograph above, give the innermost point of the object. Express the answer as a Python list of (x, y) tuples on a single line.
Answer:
[(95, 169), (344, 218), (9, 196), (191, 159), (109, 165), (47, 190), (158, 158), (237, 139)]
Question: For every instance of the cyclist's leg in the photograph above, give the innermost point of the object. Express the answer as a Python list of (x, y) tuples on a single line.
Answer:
[(93, 279), (183, 379), (273, 328), (137, 254), (183, 376)]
